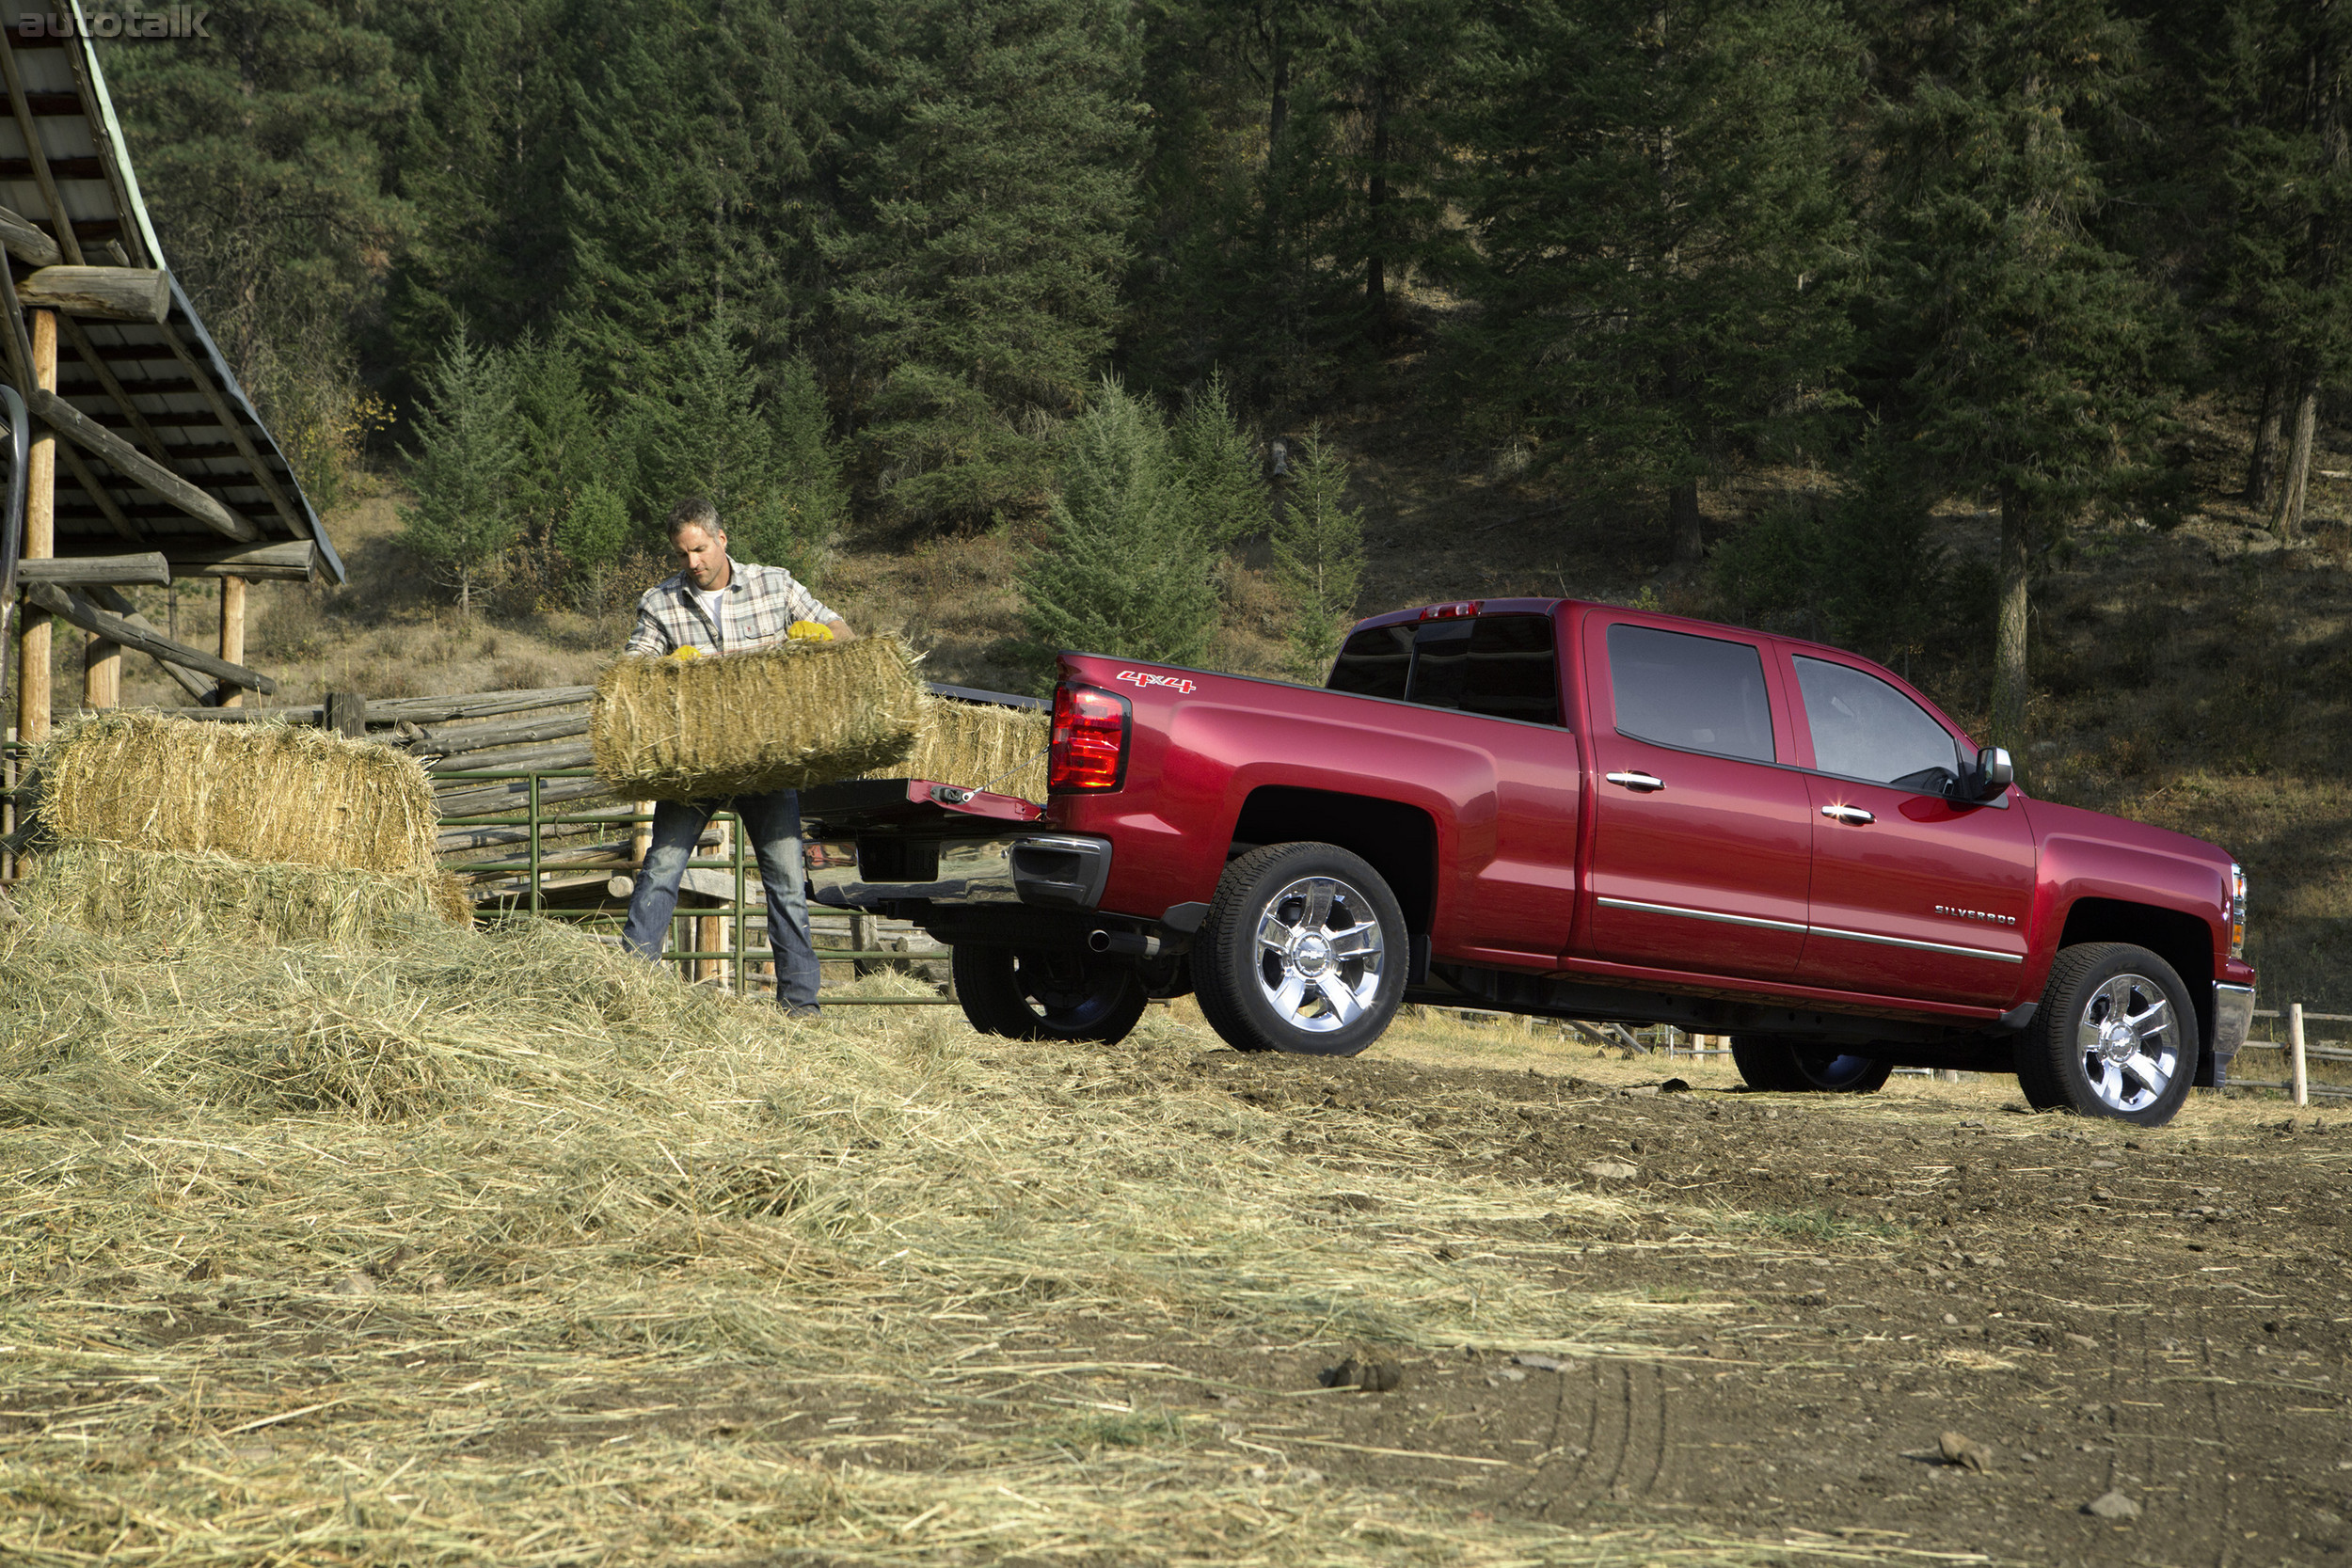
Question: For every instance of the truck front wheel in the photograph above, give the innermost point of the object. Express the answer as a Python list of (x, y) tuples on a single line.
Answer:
[(2116, 1036), (1026, 995), (1793, 1069), (1304, 950)]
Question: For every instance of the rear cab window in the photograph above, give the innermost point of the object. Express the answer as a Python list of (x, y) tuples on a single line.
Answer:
[(1866, 728), (1503, 666)]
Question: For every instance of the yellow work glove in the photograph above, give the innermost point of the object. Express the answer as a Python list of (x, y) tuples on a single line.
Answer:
[(689, 651), (808, 631)]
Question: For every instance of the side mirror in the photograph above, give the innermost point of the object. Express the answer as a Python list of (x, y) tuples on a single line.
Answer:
[(1994, 774)]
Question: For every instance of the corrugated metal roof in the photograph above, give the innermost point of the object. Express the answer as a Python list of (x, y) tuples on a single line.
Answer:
[(163, 386)]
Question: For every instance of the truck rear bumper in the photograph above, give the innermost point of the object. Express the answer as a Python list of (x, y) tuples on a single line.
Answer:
[(1039, 870)]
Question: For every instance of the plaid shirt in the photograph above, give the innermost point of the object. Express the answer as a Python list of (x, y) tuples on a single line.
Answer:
[(761, 602)]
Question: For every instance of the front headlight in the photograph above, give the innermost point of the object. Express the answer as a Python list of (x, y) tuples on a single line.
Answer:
[(2238, 911)]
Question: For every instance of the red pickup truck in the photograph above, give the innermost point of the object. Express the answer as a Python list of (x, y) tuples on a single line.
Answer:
[(1577, 811)]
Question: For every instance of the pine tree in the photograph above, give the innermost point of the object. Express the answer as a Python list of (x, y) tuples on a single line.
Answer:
[(986, 161), (1659, 227), (464, 467), (594, 535), (1318, 558), (1216, 461), (480, 161), (687, 190), (262, 156), (1124, 569), (2034, 347), (702, 425), (2277, 188), (563, 438)]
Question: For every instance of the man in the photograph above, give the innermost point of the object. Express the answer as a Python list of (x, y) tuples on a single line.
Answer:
[(717, 605)]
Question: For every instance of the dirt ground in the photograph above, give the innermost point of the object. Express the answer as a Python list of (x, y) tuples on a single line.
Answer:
[(2157, 1314)]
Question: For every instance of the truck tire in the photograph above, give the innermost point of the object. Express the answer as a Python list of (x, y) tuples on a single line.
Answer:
[(1304, 950), (1034, 995), (1788, 1067), (2115, 1037)]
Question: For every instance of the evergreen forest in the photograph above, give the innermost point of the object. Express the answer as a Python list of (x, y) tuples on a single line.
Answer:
[(1068, 267)]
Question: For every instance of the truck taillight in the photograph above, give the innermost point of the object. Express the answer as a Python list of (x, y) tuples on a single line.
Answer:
[(1461, 609), (2237, 912), (1089, 739)]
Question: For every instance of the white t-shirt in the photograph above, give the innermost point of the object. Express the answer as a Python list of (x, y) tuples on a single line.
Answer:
[(714, 605)]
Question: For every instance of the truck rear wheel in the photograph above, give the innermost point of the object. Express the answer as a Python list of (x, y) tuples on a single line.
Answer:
[(1303, 950), (2115, 1036), (1046, 995), (1789, 1067)]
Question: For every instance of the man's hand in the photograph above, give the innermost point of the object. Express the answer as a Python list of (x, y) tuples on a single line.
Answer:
[(841, 632)]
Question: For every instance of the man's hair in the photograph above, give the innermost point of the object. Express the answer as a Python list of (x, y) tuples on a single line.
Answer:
[(694, 512)]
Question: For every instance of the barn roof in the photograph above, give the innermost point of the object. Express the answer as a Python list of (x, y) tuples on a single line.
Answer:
[(168, 454)]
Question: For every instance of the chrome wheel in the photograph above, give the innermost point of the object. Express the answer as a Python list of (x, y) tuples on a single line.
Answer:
[(1319, 954), (2130, 1042)]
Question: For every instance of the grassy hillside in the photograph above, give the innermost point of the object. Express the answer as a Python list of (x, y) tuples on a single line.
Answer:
[(2200, 678)]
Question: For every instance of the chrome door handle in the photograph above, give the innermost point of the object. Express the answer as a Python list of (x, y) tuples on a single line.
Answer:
[(1644, 782), (1855, 815)]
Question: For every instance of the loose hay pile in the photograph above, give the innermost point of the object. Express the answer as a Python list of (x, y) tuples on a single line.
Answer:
[(256, 792), (505, 1249), (982, 747), (776, 718)]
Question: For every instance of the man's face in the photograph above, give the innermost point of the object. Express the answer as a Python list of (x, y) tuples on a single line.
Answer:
[(702, 555)]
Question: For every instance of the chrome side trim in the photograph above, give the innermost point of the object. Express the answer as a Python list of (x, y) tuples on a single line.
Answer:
[(2232, 1017), (1720, 918), (1702, 914), (1922, 947)]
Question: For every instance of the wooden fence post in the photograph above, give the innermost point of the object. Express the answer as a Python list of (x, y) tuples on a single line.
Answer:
[(232, 634), (2295, 1053), (41, 534), (347, 715)]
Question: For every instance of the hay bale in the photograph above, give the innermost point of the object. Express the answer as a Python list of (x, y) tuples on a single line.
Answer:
[(173, 897), (981, 746), (776, 718), (280, 793)]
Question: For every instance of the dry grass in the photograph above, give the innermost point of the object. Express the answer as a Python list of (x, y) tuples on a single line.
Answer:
[(503, 1248), (256, 792), (783, 717), (1000, 749)]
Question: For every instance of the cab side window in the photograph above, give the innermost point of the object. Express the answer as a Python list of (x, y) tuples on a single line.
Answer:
[(1697, 694), (1864, 728)]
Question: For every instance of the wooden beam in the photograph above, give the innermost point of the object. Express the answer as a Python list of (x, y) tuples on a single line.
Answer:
[(234, 423), (36, 155), (107, 598), (40, 535), (27, 242), (347, 714), (95, 488), (480, 705), (90, 357), (101, 293), (85, 95), (135, 465), (75, 570), (72, 606), (233, 632), (296, 560)]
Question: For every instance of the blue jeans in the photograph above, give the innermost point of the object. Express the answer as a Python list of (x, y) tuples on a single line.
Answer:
[(771, 822)]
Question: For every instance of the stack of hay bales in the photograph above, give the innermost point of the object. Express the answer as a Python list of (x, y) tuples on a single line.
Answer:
[(170, 828), (784, 717)]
